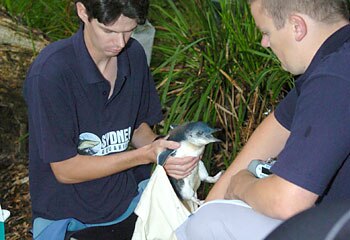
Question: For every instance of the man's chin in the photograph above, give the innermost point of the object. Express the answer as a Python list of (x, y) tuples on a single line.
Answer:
[(112, 53), (286, 69)]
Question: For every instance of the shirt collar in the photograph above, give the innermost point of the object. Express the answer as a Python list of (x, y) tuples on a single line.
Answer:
[(87, 66)]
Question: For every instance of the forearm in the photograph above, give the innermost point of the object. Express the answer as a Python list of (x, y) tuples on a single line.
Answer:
[(267, 141), (272, 196), (142, 136), (83, 168), (246, 187)]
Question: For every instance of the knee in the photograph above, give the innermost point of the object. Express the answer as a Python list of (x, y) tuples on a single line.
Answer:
[(201, 225), (197, 228)]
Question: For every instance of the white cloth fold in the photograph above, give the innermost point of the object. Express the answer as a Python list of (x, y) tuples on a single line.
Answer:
[(160, 212), (4, 214)]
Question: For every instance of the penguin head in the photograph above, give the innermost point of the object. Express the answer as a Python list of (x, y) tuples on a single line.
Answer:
[(200, 134)]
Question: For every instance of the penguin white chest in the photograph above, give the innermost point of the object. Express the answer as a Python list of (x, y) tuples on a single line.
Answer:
[(188, 149)]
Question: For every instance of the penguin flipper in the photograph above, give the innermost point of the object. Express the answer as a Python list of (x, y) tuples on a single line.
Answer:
[(163, 156)]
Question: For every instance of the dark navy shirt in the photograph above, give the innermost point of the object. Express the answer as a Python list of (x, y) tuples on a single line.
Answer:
[(70, 113), (317, 113)]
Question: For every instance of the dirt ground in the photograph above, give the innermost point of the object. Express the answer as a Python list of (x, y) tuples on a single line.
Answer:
[(14, 196)]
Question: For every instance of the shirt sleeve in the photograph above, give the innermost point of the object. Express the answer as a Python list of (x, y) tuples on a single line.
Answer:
[(51, 111), (285, 110), (150, 110), (320, 134)]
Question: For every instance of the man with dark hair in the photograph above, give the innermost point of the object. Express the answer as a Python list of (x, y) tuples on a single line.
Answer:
[(89, 97), (309, 132)]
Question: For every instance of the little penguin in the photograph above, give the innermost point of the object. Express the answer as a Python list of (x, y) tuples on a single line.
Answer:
[(193, 137)]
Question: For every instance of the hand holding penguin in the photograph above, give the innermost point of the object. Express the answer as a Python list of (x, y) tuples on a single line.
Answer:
[(180, 167), (193, 138), (176, 167)]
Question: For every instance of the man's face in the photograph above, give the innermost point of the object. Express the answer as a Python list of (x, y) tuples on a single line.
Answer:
[(108, 40), (279, 40)]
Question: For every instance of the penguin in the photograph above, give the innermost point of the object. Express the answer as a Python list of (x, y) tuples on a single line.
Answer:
[(193, 137)]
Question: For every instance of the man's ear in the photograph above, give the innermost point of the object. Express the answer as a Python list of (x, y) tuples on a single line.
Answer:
[(81, 11), (299, 26)]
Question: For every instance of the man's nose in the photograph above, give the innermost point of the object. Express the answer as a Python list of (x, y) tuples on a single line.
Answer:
[(119, 40)]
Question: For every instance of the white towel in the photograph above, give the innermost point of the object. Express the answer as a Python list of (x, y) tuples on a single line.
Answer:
[(4, 214), (160, 212)]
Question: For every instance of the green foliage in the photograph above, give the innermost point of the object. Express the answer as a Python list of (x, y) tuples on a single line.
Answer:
[(55, 18), (210, 67)]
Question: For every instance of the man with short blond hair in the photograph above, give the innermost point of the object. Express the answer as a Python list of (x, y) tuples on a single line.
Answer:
[(309, 132)]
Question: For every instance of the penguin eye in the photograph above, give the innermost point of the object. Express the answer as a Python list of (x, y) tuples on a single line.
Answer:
[(200, 133)]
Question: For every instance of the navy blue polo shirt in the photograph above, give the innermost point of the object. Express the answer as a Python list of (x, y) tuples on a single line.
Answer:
[(316, 156), (70, 113)]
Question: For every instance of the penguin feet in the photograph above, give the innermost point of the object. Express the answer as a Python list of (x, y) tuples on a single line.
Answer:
[(193, 204), (197, 201)]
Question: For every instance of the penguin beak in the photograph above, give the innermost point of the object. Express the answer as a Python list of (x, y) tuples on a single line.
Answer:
[(216, 130), (211, 137)]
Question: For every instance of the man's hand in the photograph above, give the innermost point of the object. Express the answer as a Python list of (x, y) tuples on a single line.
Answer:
[(238, 183), (179, 168), (175, 167)]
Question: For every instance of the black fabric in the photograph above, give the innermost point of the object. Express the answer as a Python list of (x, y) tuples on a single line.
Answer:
[(119, 231), (329, 221)]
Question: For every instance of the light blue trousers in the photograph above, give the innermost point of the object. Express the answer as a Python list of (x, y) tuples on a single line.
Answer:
[(225, 220)]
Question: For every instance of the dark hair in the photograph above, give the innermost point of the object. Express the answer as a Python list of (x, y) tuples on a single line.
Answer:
[(108, 11)]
